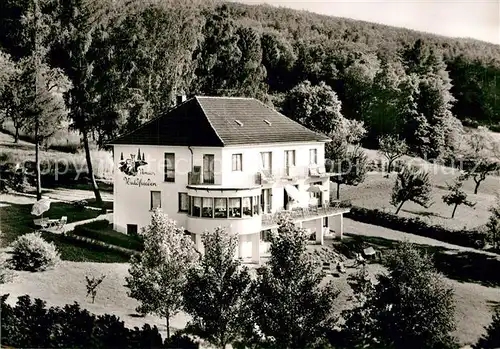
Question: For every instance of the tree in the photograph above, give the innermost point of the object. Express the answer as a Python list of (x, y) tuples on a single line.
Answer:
[(215, 291), (412, 184), (392, 148), (456, 197), (316, 107), (491, 339), (409, 307), (351, 170), (288, 306), (493, 226), (479, 162), (158, 276), (80, 23)]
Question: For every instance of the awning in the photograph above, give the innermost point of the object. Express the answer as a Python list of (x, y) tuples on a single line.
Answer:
[(293, 192), (316, 188)]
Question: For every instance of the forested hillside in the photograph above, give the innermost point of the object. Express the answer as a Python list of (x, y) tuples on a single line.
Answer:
[(122, 62)]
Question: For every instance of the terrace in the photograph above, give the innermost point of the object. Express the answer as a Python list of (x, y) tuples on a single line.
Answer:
[(302, 214)]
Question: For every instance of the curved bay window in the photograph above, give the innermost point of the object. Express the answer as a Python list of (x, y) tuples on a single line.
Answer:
[(247, 207), (204, 207), (234, 207)]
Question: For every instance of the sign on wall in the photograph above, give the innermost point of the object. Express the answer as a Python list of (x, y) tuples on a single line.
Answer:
[(132, 167)]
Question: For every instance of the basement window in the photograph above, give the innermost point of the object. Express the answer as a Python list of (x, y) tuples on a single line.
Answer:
[(239, 122)]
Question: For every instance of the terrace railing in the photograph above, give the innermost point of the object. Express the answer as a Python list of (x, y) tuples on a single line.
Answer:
[(304, 213)]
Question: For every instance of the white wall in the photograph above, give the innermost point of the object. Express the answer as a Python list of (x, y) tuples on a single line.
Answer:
[(132, 202), (251, 162)]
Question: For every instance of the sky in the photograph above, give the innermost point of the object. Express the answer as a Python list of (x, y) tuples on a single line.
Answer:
[(478, 19)]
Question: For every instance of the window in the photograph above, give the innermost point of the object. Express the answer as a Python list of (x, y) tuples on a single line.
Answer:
[(235, 208), (266, 159), (208, 169), (208, 207), (237, 159), (155, 199), (256, 201), (313, 156), (220, 210), (247, 207), (169, 167), (289, 158), (131, 229), (196, 207), (183, 202)]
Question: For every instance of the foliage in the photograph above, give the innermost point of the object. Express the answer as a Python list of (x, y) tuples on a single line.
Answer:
[(351, 170), (493, 226), (456, 197), (316, 107), (478, 159), (31, 252), (215, 291), (288, 307), (29, 324), (409, 307), (6, 275), (491, 339), (467, 238), (158, 277), (412, 184), (92, 284), (392, 148)]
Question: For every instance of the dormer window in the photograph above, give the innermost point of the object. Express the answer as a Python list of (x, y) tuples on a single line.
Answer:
[(239, 122), (267, 122)]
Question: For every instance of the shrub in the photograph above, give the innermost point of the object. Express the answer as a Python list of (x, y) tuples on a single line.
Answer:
[(491, 339), (101, 230), (29, 324), (467, 238), (32, 253)]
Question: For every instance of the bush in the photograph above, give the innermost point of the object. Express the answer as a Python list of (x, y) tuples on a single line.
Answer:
[(101, 230), (30, 324), (467, 238), (32, 253)]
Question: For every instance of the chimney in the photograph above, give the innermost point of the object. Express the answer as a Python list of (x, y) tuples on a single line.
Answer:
[(180, 99)]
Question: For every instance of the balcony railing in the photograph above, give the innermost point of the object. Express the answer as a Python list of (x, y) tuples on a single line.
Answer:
[(290, 173), (198, 178), (306, 212)]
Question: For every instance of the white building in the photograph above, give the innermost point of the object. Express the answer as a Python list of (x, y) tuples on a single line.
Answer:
[(230, 162)]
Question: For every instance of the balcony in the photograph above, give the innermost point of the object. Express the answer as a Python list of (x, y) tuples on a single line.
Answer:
[(195, 178), (307, 213)]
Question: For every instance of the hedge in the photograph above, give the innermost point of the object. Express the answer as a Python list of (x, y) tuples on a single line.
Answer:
[(101, 230), (466, 238), (29, 324)]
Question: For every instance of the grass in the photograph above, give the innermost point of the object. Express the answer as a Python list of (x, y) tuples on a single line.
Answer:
[(16, 220), (103, 231), (375, 193)]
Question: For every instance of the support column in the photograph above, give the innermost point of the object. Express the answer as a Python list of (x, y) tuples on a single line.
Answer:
[(198, 243), (256, 248), (338, 225), (319, 231), (241, 243)]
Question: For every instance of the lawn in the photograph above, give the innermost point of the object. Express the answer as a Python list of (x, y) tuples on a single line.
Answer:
[(375, 193), (102, 230), (16, 220)]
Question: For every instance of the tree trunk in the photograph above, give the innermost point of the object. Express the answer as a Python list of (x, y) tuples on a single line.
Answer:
[(93, 182), (476, 188), (37, 163), (454, 209), (389, 166), (399, 207), (16, 134), (338, 190), (168, 327)]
